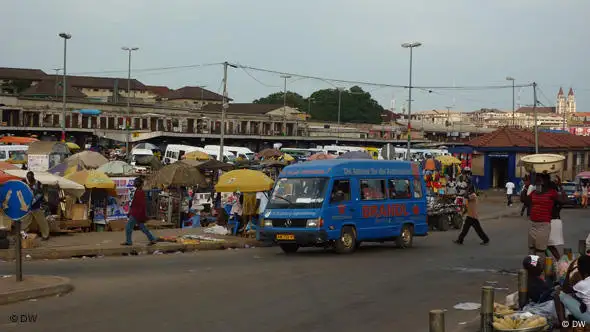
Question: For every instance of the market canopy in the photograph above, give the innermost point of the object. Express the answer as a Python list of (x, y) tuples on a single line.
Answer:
[(584, 175), (448, 160), (244, 180), (7, 177), (49, 179), (117, 167), (355, 155), (67, 167), (17, 140), (73, 146), (46, 148), (90, 159), (320, 156), (197, 155), (92, 179), (270, 153), (212, 164), (4, 165), (178, 174)]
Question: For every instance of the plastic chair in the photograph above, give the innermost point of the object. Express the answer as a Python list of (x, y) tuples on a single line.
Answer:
[(232, 221)]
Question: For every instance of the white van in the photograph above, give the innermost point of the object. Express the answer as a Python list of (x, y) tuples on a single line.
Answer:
[(228, 157), (174, 152), (236, 150), (14, 153)]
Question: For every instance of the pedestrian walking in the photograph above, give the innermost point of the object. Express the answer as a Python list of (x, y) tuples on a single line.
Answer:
[(509, 192), (472, 220), (542, 202), (37, 213), (556, 233), (584, 195), (138, 215)]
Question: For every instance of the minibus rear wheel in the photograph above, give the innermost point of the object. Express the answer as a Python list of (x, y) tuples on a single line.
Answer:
[(289, 248), (346, 243), (406, 237)]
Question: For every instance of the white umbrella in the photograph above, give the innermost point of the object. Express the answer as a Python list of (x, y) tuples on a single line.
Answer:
[(49, 179)]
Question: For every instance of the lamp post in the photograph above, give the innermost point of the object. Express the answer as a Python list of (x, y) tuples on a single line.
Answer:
[(510, 78), (128, 120), (224, 107), (309, 100), (411, 46), (339, 109), (285, 77), (65, 36)]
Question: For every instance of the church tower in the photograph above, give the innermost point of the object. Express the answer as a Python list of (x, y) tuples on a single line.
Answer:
[(571, 102), (561, 102)]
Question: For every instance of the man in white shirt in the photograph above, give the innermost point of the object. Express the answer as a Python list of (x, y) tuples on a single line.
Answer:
[(509, 192)]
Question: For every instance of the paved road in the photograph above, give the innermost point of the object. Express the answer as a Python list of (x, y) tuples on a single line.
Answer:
[(379, 288)]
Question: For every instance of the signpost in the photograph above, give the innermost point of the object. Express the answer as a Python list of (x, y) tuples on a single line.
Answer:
[(16, 198)]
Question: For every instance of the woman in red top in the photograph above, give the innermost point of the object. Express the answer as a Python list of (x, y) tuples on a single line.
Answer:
[(542, 201), (138, 214)]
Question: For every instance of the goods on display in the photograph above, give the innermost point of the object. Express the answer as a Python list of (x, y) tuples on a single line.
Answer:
[(502, 310), (519, 321)]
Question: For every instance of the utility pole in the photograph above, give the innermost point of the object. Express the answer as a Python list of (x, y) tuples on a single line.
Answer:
[(339, 110), (202, 101), (285, 77), (535, 117), (309, 100), (65, 36), (128, 119), (411, 47), (510, 78), (57, 70), (224, 107)]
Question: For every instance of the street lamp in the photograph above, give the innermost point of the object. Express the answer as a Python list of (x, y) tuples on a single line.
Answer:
[(128, 120), (339, 108), (510, 78), (65, 36), (411, 47), (285, 77)]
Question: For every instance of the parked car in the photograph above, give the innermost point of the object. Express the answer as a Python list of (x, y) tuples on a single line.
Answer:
[(573, 196)]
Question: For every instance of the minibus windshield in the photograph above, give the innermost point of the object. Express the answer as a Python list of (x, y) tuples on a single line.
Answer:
[(298, 193)]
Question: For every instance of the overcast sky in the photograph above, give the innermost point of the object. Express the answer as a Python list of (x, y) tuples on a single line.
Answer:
[(465, 43)]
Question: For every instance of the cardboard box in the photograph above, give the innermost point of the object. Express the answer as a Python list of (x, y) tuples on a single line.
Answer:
[(79, 212)]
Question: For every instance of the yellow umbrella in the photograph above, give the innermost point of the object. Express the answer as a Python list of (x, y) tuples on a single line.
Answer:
[(448, 160), (92, 179), (73, 146), (243, 180), (197, 155)]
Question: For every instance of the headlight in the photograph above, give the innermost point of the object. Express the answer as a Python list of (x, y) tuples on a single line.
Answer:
[(267, 223), (314, 223)]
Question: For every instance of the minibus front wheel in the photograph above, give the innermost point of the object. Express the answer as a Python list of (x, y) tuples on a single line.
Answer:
[(289, 248), (346, 243)]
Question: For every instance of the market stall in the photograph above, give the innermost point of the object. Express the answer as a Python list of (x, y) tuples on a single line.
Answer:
[(42, 155), (99, 198), (89, 159)]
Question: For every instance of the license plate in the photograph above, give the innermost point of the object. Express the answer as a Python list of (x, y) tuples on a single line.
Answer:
[(287, 237)]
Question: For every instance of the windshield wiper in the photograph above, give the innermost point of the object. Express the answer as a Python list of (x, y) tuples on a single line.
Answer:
[(286, 200)]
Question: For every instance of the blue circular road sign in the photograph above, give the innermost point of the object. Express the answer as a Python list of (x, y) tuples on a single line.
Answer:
[(15, 198)]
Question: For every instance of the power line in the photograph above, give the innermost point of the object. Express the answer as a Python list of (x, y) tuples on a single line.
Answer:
[(148, 69), (328, 80)]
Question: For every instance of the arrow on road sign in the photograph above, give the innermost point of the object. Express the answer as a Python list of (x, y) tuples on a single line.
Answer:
[(7, 199), (21, 199)]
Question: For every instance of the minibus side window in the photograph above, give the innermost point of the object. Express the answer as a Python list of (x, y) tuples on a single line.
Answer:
[(340, 191), (417, 188), (2, 155), (399, 189), (372, 189)]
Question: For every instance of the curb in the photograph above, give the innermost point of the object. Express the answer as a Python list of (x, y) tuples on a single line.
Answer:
[(164, 247), (62, 286)]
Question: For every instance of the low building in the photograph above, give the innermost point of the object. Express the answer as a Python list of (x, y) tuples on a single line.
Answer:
[(495, 157)]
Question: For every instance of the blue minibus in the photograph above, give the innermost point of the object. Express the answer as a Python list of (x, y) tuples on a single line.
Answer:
[(340, 203)]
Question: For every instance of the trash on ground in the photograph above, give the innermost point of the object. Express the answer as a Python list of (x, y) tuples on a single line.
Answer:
[(467, 306)]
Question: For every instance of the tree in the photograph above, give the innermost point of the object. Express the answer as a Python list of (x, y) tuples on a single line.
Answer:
[(294, 100), (16, 86), (356, 106)]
